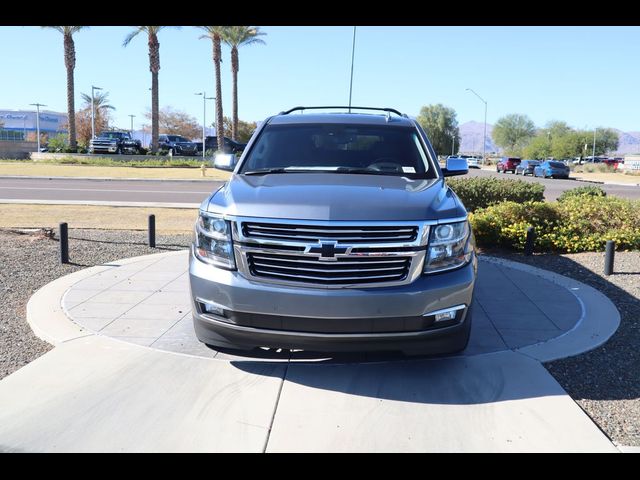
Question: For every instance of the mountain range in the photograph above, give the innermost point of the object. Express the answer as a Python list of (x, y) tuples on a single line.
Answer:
[(471, 139)]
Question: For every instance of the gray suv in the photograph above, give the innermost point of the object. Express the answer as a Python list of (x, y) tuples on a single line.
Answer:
[(335, 232)]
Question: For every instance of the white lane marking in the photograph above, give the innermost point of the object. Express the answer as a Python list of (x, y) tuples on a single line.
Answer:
[(112, 190)]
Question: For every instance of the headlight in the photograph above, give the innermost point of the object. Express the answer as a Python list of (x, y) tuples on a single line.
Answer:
[(212, 242), (449, 247)]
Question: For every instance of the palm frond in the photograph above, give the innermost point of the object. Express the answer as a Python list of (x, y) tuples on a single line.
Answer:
[(133, 35)]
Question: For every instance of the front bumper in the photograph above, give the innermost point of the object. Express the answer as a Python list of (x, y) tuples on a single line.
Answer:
[(331, 320)]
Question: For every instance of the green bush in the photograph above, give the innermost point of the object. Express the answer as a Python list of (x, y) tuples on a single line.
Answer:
[(124, 161), (58, 143), (577, 224), (479, 192), (590, 191)]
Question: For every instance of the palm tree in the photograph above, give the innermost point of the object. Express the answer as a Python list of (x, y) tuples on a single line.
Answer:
[(70, 64), (236, 37), (100, 101), (154, 67), (215, 33)]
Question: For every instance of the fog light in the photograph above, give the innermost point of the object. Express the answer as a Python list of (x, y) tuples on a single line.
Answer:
[(208, 306), (442, 317), (446, 314)]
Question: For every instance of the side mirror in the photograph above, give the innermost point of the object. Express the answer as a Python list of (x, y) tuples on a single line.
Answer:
[(455, 166), (225, 161)]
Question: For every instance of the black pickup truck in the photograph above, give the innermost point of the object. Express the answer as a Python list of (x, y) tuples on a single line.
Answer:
[(230, 146), (114, 142)]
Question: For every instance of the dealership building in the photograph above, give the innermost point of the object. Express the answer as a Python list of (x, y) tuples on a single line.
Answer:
[(24, 121)]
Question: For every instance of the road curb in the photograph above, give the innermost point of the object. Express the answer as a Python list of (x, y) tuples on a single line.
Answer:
[(109, 179), (99, 203)]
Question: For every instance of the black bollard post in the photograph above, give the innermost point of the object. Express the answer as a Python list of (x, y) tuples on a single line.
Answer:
[(152, 231), (531, 236), (64, 243), (609, 254)]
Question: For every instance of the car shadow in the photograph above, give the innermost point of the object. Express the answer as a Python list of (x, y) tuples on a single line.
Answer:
[(608, 372)]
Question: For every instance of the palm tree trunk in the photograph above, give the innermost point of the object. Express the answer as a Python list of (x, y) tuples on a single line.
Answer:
[(155, 116), (234, 69), (154, 66), (70, 63), (219, 117)]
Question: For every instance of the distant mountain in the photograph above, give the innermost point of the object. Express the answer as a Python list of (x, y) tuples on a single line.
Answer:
[(471, 139), (629, 142)]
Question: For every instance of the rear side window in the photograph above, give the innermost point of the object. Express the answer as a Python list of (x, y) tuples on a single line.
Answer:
[(557, 164)]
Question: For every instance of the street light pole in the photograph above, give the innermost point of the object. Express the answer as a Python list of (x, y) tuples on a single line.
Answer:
[(204, 120), (38, 105), (93, 112), (484, 137), (132, 123), (453, 143), (594, 145)]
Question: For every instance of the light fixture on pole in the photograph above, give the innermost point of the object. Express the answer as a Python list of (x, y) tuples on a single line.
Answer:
[(204, 120), (484, 136), (38, 105), (93, 112), (132, 116)]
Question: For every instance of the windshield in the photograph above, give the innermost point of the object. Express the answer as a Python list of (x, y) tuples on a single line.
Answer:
[(177, 138), (112, 134), (557, 164), (328, 147)]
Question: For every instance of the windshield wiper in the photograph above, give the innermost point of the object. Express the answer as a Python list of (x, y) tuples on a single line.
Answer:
[(265, 171)]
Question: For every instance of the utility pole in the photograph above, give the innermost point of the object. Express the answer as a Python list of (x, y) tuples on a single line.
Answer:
[(353, 52), (132, 123), (484, 137), (38, 105)]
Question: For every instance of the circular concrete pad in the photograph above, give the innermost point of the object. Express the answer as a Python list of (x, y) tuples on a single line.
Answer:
[(146, 302)]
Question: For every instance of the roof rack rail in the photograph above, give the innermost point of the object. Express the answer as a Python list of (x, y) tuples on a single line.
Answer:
[(388, 110)]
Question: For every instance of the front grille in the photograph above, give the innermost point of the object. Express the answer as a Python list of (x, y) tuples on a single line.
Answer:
[(348, 270), (342, 234)]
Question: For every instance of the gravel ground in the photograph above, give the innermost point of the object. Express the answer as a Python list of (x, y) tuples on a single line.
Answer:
[(30, 261), (606, 381)]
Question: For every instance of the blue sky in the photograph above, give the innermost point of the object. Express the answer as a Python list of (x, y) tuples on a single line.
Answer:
[(587, 76)]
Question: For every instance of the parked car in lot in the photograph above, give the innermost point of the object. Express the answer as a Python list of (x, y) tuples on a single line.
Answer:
[(335, 232), (507, 164), (230, 146), (526, 167), (551, 168), (177, 145), (114, 142), (472, 161)]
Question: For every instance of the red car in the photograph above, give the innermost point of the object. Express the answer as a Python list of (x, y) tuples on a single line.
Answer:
[(508, 164)]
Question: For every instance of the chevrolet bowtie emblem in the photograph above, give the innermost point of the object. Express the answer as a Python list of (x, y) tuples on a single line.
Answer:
[(327, 251)]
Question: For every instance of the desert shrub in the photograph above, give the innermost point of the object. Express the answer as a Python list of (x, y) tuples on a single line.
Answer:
[(479, 192), (58, 143), (591, 191), (577, 224)]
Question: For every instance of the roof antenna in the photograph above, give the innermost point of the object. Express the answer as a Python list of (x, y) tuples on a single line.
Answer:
[(353, 51)]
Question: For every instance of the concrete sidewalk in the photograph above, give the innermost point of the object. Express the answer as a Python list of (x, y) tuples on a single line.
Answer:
[(128, 375)]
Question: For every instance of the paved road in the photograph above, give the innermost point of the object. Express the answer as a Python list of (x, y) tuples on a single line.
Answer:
[(195, 192), (554, 187), (106, 190)]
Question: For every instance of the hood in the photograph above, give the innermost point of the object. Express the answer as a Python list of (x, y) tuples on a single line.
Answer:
[(331, 196)]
